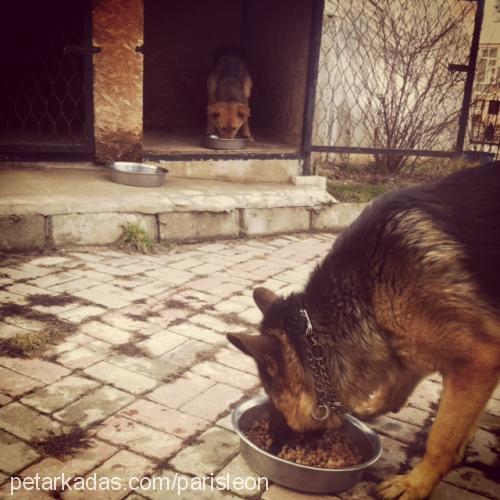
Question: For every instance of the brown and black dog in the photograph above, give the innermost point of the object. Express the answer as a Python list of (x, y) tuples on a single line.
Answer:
[(410, 288), (229, 87)]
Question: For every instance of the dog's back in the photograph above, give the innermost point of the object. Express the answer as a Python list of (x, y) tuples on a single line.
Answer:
[(230, 74)]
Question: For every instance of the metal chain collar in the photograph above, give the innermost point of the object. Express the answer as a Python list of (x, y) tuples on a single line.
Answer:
[(326, 402)]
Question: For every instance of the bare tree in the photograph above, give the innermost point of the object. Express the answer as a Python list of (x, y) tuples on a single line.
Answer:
[(390, 64)]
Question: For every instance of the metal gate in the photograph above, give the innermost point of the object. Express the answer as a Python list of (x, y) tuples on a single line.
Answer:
[(46, 84), (394, 78)]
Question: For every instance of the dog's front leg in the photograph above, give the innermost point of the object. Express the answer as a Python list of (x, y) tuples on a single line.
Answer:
[(465, 394), (245, 131)]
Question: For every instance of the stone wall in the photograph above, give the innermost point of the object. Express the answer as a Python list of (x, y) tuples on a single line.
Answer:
[(118, 76)]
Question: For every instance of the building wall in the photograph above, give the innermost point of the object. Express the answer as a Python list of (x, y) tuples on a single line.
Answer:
[(118, 75)]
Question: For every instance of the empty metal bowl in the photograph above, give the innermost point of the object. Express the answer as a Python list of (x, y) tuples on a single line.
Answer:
[(137, 174), (215, 142), (303, 477)]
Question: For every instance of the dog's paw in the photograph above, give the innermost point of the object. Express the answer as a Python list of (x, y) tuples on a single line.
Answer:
[(250, 138), (402, 488)]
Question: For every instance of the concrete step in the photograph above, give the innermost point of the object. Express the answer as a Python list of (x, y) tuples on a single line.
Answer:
[(54, 208)]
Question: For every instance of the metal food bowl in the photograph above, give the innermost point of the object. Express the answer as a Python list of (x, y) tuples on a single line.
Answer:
[(303, 477), (215, 142), (137, 174)]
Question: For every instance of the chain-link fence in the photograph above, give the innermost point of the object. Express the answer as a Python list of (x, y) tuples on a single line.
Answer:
[(42, 89), (384, 80)]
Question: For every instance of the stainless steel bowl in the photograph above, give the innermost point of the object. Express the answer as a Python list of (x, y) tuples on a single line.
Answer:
[(303, 477), (137, 174), (214, 142)]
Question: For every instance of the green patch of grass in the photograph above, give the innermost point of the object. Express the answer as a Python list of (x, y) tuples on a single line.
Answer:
[(358, 192), (135, 239)]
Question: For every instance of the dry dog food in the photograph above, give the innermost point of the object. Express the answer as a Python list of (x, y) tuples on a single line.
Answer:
[(330, 450)]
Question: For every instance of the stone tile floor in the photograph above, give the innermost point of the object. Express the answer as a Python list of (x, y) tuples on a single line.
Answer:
[(144, 379)]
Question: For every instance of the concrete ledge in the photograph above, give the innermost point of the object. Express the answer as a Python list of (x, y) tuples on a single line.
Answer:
[(22, 232), (279, 171), (192, 226), (264, 221), (336, 217), (97, 229)]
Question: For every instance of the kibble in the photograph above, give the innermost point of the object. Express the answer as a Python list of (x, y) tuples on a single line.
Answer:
[(330, 450)]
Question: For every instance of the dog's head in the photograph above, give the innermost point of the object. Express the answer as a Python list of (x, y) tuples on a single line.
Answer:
[(280, 366), (228, 117)]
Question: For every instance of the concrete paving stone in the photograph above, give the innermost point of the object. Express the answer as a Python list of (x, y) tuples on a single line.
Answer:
[(236, 359), (170, 485), (75, 285), (395, 429), (410, 415), (7, 330), (3, 398), (206, 269), (25, 290), (82, 313), (276, 492), (162, 342), (364, 490), (122, 466), (56, 310), (139, 438), (81, 357), (484, 448), (49, 260), (15, 454), (210, 404), (99, 346), (76, 464), (226, 422), (59, 394), (23, 494), (118, 291), (393, 457), (170, 275), (474, 480), (15, 274), (242, 480), (44, 371), (164, 419), (493, 407), (107, 333), (80, 338), (154, 368), (426, 394), (445, 491), (54, 279), (24, 323), (121, 378), (122, 261), (94, 275), (187, 354), (120, 319), (244, 300), (185, 264), (86, 256), (12, 298), (252, 316), (198, 332), (153, 288), (225, 374), (196, 299), (182, 390), (102, 298), (212, 451), (26, 423), (32, 270), (229, 307), (205, 284), (94, 407), (215, 324)]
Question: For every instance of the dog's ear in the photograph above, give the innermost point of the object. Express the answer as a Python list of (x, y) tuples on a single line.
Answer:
[(264, 348), (264, 298), (243, 111), (214, 110)]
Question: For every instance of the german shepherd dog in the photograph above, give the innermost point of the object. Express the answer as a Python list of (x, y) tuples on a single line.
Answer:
[(410, 288), (229, 87)]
